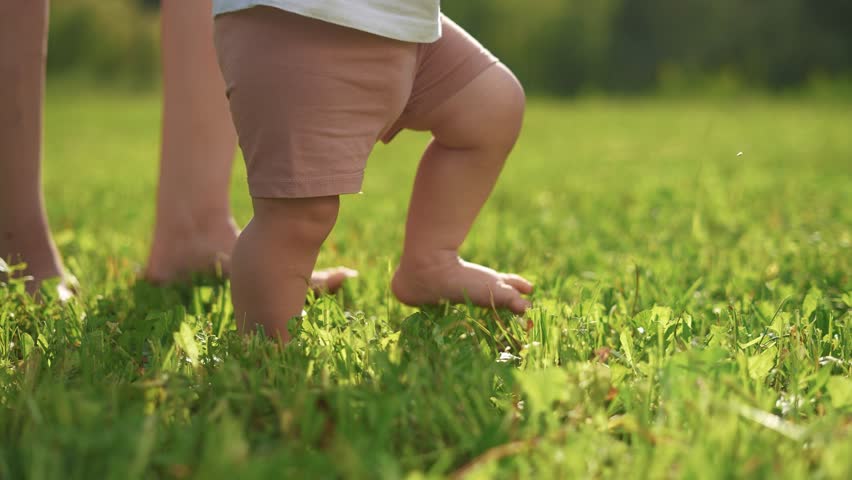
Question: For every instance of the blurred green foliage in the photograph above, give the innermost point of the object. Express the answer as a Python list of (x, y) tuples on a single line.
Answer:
[(567, 46), (555, 46), (113, 41)]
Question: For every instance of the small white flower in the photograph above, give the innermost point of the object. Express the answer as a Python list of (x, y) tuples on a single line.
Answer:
[(506, 357), (829, 359), (787, 403)]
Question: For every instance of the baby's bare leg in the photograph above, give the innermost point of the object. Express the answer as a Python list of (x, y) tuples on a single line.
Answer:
[(273, 259), (474, 131)]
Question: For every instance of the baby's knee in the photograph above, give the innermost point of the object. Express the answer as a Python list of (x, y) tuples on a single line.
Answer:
[(490, 117), (306, 220), (509, 102), (509, 117)]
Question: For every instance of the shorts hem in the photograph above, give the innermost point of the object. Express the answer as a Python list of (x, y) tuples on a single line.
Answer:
[(308, 187)]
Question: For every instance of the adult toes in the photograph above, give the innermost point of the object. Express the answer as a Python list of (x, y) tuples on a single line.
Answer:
[(518, 282)]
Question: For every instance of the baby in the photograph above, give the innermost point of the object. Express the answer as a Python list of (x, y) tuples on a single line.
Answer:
[(313, 85)]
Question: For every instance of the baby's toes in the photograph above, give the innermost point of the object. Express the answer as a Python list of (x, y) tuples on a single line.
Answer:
[(330, 280), (519, 305), (518, 282)]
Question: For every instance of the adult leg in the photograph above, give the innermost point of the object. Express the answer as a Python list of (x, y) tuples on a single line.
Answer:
[(195, 231), (474, 131), (24, 231)]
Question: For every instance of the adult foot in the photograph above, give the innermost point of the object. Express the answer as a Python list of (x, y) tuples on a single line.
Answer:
[(42, 261), (177, 258), (454, 280), (65, 288), (178, 253)]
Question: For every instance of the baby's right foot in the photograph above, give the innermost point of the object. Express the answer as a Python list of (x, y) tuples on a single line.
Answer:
[(454, 280)]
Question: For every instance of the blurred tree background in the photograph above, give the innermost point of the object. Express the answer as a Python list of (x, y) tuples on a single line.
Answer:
[(115, 41), (558, 47)]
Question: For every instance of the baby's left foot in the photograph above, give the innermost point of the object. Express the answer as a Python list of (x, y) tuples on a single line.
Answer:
[(456, 281), (330, 280)]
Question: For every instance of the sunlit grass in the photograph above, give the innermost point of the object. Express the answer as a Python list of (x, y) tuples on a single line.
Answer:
[(691, 318)]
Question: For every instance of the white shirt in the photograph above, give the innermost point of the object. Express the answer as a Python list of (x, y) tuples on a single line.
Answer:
[(407, 20)]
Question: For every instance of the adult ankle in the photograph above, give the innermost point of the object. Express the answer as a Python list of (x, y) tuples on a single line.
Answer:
[(195, 222)]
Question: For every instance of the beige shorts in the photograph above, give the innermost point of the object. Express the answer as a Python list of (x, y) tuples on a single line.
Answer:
[(310, 99)]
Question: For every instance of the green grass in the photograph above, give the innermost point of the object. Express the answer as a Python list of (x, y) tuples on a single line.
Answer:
[(691, 320)]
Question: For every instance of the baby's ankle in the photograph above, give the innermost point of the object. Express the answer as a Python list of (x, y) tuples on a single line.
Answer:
[(427, 259)]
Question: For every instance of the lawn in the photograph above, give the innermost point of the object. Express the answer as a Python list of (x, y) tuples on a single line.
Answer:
[(692, 260)]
